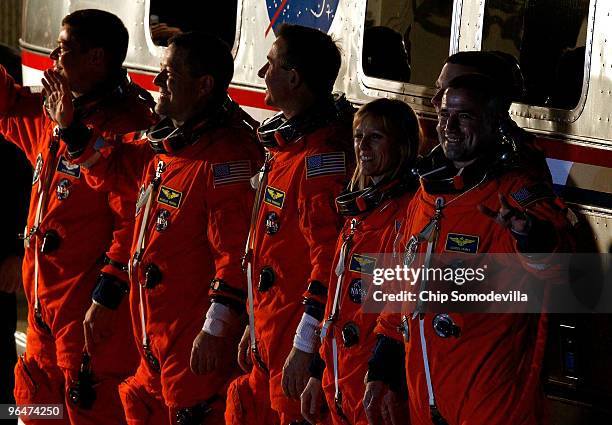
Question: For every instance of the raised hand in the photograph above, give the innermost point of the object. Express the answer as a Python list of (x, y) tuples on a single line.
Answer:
[(58, 98), (507, 216)]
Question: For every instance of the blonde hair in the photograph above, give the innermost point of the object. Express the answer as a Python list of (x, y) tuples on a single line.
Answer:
[(401, 123)]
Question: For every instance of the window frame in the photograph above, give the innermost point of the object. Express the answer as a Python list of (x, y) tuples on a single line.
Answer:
[(417, 93), (547, 113), (158, 50)]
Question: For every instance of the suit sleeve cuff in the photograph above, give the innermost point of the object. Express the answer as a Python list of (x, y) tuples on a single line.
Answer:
[(218, 320), (306, 334)]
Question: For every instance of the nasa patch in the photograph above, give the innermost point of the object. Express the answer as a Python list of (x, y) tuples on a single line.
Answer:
[(355, 291), (317, 14)]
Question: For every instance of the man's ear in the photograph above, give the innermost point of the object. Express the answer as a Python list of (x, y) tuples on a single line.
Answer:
[(97, 57), (296, 79), (206, 85)]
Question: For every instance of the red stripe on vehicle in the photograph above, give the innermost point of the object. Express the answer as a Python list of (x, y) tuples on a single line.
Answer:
[(254, 99), (554, 148), (144, 80), (35, 60)]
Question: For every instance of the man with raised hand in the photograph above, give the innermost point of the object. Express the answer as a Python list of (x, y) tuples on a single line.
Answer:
[(71, 227), (192, 214)]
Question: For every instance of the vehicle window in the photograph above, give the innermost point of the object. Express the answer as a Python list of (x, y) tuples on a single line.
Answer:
[(406, 40), (548, 38), (166, 18)]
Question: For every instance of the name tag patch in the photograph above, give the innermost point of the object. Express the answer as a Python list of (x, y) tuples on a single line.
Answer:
[(170, 197), (462, 243), (274, 197), (64, 166), (362, 264)]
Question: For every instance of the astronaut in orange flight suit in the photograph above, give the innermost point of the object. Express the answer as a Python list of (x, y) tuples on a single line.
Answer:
[(386, 139), (70, 226), (479, 367), (294, 227), (189, 232)]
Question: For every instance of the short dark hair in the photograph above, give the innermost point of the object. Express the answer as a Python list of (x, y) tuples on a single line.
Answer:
[(313, 54), (98, 28), (486, 89), (500, 66), (206, 54)]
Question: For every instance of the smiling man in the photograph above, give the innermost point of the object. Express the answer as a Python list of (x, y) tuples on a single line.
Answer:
[(71, 227), (193, 170), (465, 367)]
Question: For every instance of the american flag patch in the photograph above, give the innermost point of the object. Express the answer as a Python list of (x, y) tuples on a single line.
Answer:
[(525, 196), (231, 172), (324, 164)]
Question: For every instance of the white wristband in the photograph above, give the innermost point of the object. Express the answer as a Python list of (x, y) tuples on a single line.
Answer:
[(218, 319), (306, 334)]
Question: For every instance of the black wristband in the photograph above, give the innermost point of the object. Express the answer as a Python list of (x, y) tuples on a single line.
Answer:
[(220, 286), (109, 291), (75, 136), (116, 264), (232, 303), (314, 308), (316, 288), (317, 366), (386, 361)]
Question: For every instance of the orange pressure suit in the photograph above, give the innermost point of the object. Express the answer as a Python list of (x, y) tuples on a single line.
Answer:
[(293, 240), (483, 368), (194, 202), (377, 231), (70, 229)]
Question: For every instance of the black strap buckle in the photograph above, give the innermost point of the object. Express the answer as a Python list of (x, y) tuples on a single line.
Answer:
[(116, 264), (81, 392), (258, 359), (195, 415), (338, 403), (436, 416), (151, 359), (40, 322)]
